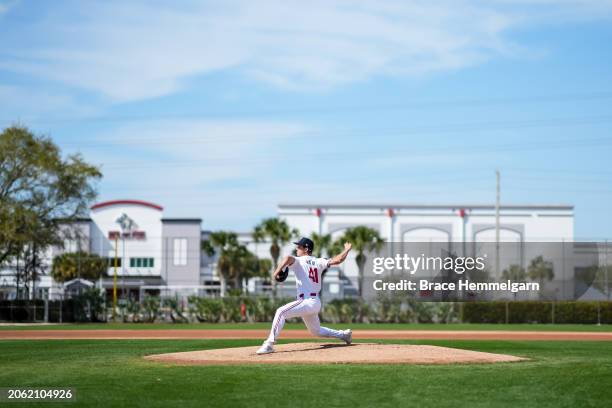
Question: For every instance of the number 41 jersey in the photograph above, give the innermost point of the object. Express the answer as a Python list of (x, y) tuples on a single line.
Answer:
[(308, 270)]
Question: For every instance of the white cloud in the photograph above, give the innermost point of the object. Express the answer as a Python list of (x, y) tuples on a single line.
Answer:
[(21, 103), (196, 139), (189, 154), (131, 51), (196, 167), (6, 5)]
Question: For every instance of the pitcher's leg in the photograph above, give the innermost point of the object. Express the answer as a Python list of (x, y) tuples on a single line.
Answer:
[(313, 324), (282, 313)]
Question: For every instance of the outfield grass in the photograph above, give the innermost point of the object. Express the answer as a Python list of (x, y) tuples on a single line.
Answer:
[(294, 326), (113, 373)]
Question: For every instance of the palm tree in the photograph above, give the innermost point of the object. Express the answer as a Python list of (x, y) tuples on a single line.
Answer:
[(279, 234), (253, 267), (364, 239), (221, 243), (233, 264), (322, 244), (540, 270), (514, 273), (244, 265), (258, 234)]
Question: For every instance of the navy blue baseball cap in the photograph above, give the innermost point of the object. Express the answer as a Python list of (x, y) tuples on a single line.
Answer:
[(306, 243)]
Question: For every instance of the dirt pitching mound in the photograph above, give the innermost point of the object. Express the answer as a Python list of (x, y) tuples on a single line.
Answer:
[(319, 353)]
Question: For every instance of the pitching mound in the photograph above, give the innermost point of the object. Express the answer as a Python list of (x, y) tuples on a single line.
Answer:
[(318, 353)]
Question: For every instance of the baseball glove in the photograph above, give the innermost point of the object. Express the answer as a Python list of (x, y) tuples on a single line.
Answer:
[(282, 276)]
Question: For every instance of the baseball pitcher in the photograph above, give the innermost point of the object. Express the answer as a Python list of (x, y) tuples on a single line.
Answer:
[(307, 270)]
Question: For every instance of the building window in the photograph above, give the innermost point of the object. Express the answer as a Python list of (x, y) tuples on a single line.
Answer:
[(70, 245), (141, 263), (111, 262), (180, 251)]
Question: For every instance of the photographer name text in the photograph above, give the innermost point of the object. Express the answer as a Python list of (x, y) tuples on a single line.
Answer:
[(462, 285)]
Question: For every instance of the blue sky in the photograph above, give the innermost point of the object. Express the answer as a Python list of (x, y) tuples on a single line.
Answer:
[(221, 110)]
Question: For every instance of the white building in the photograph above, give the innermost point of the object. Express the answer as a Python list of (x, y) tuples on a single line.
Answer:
[(461, 222), (455, 223), (151, 253)]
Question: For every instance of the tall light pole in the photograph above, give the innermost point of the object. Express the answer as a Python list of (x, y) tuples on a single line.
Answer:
[(497, 205)]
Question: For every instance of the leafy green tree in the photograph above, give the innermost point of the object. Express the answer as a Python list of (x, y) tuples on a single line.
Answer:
[(39, 191), (72, 265), (363, 239), (29, 263), (279, 234), (540, 270)]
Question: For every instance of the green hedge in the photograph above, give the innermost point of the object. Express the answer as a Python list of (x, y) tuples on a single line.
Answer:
[(538, 312), (385, 309), (228, 309)]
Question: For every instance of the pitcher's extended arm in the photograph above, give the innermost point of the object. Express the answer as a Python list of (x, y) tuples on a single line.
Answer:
[(338, 259)]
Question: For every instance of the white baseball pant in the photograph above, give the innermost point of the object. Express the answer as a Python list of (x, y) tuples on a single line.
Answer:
[(308, 309)]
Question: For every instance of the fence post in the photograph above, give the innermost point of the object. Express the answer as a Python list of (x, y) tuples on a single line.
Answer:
[(47, 308), (553, 312), (507, 313)]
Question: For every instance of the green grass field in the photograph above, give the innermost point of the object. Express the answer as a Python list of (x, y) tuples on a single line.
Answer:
[(113, 373), (293, 326)]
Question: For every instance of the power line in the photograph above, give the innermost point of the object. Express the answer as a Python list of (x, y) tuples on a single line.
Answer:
[(484, 126), (369, 154), (462, 103)]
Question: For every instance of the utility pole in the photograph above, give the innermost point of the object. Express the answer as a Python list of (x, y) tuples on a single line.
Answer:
[(606, 284), (497, 263), (115, 280)]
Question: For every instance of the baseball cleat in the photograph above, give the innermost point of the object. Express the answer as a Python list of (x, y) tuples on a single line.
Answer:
[(266, 348), (347, 336)]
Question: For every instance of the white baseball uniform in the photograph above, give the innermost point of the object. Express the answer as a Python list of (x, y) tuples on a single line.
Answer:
[(307, 270)]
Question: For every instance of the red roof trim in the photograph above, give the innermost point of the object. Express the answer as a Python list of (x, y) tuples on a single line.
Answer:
[(129, 202)]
